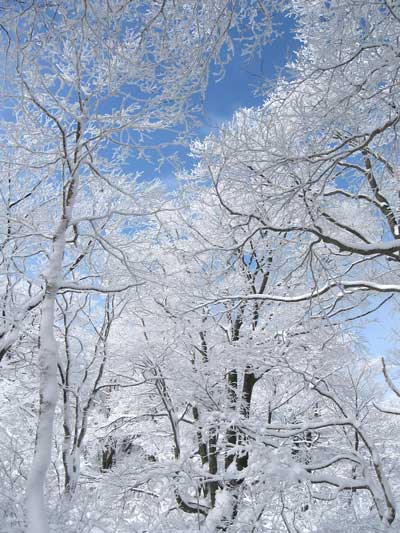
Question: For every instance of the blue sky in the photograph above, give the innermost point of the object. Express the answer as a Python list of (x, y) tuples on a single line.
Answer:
[(382, 330), (242, 78), (239, 89)]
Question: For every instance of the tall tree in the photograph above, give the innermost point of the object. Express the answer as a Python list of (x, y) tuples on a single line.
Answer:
[(87, 81)]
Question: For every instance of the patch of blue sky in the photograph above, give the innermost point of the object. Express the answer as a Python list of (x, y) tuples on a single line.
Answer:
[(381, 331), (240, 87), (243, 78)]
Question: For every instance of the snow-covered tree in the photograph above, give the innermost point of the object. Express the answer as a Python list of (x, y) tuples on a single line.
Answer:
[(86, 82), (202, 342)]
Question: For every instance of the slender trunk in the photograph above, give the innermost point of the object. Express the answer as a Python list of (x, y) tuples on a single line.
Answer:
[(72, 464), (71, 451), (231, 432), (36, 512), (213, 464), (67, 424), (67, 443), (37, 521), (249, 380)]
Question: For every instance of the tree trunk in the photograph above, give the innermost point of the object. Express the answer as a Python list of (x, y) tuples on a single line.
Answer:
[(35, 505), (37, 521)]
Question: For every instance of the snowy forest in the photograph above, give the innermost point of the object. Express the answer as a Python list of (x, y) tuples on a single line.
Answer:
[(190, 349)]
